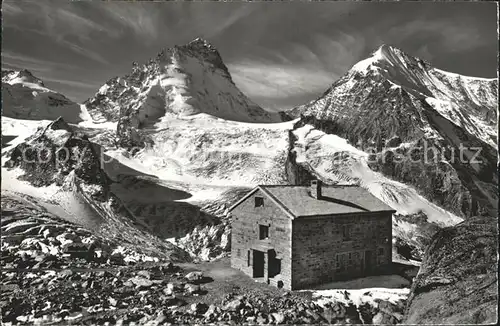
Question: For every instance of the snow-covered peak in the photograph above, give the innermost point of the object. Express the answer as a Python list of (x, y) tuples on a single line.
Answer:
[(183, 80), (389, 75), (374, 60), (415, 74), (393, 64), (24, 77), (25, 96)]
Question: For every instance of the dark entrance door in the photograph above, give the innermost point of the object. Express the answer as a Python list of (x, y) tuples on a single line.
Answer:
[(368, 260), (274, 264), (258, 263)]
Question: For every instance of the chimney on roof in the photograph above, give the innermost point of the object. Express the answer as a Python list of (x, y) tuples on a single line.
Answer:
[(316, 189)]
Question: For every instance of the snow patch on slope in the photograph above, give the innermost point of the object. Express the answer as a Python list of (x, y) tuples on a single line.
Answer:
[(469, 78), (88, 122), (370, 63), (20, 129), (337, 161), (371, 289), (217, 152), (361, 296)]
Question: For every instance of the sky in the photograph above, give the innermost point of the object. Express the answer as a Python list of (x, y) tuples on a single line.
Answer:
[(280, 54)]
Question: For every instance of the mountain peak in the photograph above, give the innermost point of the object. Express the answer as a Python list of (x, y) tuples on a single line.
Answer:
[(388, 58), (20, 76), (388, 48), (183, 80), (201, 42), (204, 50), (200, 46), (388, 52)]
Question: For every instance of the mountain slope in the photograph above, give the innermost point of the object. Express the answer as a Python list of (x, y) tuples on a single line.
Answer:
[(176, 166), (399, 108), (24, 96), (62, 169), (211, 157), (469, 102), (181, 81)]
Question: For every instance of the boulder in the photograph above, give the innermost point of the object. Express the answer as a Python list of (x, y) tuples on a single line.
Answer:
[(175, 302), (261, 319), (170, 289), (339, 309), (167, 267), (199, 308), (314, 315), (64, 274), (192, 288), (211, 312), (393, 141), (234, 305), (279, 318), (383, 319), (144, 274), (329, 315), (141, 282), (112, 301), (194, 276)]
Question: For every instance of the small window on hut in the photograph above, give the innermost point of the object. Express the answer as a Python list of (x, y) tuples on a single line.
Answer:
[(259, 201), (380, 251), (346, 232), (340, 262), (263, 232)]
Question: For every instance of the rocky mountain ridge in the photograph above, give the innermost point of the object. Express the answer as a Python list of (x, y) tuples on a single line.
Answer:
[(58, 155), (469, 102), (180, 81), (398, 108)]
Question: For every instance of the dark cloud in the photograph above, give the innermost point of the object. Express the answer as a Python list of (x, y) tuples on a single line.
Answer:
[(280, 54)]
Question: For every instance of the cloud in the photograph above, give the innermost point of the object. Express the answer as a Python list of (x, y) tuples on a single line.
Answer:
[(140, 19), (68, 28), (451, 35), (85, 52), (11, 9), (77, 24), (21, 61), (67, 82), (276, 81), (227, 21), (276, 52), (52, 20), (423, 52), (339, 50), (296, 71)]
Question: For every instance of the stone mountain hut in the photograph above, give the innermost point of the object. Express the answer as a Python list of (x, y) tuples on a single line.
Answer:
[(297, 236)]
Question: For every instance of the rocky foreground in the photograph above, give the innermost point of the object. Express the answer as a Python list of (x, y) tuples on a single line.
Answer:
[(57, 272), (458, 280)]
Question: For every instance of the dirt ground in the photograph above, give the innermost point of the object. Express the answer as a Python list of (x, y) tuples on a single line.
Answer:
[(223, 280)]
